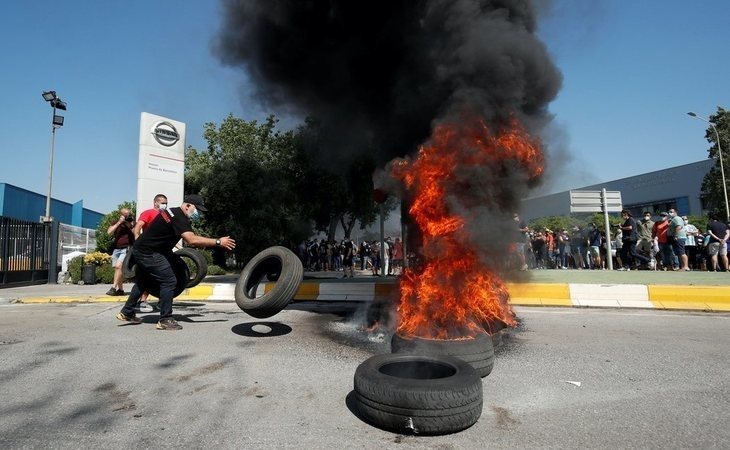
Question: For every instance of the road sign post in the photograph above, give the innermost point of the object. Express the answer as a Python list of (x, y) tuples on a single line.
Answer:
[(598, 201)]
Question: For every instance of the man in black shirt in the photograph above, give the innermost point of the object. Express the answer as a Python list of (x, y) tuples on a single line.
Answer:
[(152, 253), (629, 237)]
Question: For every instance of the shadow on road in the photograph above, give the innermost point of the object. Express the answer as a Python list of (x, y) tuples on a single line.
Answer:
[(262, 329)]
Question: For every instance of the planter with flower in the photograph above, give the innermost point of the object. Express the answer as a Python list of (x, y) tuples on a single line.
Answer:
[(96, 262)]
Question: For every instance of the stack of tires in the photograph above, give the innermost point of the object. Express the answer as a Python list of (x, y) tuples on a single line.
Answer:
[(478, 352), (417, 394)]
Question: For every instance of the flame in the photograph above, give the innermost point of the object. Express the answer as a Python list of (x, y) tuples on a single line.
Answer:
[(456, 295)]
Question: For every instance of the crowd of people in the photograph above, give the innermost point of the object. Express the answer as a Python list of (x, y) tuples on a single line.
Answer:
[(332, 256), (669, 243)]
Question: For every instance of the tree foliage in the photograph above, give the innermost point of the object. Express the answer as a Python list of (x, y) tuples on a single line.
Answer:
[(712, 186), (249, 175), (264, 187)]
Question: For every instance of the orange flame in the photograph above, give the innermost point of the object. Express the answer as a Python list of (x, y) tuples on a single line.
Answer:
[(456, 295)]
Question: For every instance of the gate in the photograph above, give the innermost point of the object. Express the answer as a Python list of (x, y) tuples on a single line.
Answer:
[(25, 251)]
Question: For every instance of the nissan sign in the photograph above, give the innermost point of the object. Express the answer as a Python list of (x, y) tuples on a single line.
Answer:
[(165, 133)]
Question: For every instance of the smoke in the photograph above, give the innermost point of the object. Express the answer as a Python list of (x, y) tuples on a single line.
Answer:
[(378, 75)]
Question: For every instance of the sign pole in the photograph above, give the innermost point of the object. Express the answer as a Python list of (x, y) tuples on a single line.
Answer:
[(609, 258)]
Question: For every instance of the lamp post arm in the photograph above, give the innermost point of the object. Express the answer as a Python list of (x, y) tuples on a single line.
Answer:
[(722, 171)]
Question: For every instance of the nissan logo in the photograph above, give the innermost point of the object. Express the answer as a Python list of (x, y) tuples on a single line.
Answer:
[(165, 133)]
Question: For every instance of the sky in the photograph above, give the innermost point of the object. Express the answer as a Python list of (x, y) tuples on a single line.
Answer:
[(631, 71)]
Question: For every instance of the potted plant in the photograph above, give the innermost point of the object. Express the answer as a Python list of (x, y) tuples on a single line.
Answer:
[(91, 261)]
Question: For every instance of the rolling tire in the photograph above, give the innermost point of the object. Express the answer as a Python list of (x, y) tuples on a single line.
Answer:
[(478, 352), (273, 260), (418, 394), (199, 261), (128, 266)]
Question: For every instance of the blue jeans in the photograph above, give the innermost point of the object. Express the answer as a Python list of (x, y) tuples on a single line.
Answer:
[(152, 269)]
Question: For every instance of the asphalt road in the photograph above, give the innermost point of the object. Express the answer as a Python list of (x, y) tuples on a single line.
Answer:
[(72, 377)]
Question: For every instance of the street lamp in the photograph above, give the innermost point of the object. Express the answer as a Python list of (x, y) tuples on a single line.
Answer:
[(56, 122), (722, 167)]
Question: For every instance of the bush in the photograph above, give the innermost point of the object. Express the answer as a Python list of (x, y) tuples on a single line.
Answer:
[(74, 268), (215, 270), (105, 274)]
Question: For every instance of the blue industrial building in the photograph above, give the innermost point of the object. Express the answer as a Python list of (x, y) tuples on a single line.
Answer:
[(676, 187), (23, 204)]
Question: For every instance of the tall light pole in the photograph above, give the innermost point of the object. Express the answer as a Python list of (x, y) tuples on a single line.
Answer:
[(56, 122), (722, 166)]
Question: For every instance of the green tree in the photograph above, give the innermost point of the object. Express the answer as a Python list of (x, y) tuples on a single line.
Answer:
[(339, 193), (712, 186), (249, 175), (103, 240)]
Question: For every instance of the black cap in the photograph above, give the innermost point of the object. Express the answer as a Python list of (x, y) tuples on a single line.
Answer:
[(196, 200)]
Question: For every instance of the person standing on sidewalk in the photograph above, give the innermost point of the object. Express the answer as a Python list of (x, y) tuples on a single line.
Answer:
[(158, 203), (690, 244), (630, 235), (719, 234), (122, 239), (348, 258), (646, 243), (153, 253), (678, 237)]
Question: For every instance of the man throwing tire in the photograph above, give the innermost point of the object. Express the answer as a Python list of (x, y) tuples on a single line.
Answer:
[(152, 253)]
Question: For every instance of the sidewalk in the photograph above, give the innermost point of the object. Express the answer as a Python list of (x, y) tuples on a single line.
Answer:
[(701, 291)]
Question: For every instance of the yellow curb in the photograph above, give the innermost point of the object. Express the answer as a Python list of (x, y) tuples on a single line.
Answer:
[(87, 299), (704, 298), (539, 294)]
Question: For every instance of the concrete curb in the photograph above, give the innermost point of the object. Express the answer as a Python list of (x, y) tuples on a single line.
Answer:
[(674, 297)]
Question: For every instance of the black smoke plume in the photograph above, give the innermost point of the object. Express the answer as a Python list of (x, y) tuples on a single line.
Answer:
[(378, 74)]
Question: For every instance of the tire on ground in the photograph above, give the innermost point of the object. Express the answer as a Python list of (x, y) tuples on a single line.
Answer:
[(198, 261), (273, 260), (417, 394), (478, 352)]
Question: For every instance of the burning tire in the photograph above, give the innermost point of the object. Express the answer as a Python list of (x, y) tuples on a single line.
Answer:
[(274, 262), (418, 394), (478, 352), (199, 267)]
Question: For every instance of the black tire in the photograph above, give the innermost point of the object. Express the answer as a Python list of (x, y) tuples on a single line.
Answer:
[(199, 262), (182, 275), (438, 395), (273, 260), (128, 266), (478, 352)]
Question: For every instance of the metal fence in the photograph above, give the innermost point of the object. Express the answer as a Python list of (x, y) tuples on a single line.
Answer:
[(74, 241), (25, 250)]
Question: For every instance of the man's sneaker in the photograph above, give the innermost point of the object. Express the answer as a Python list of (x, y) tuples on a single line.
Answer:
[(168, 324), (111, 291), (120, 292), (144, 307), (125, 318)]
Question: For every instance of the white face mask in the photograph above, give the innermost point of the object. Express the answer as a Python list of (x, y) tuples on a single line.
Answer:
[(163, 206)]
